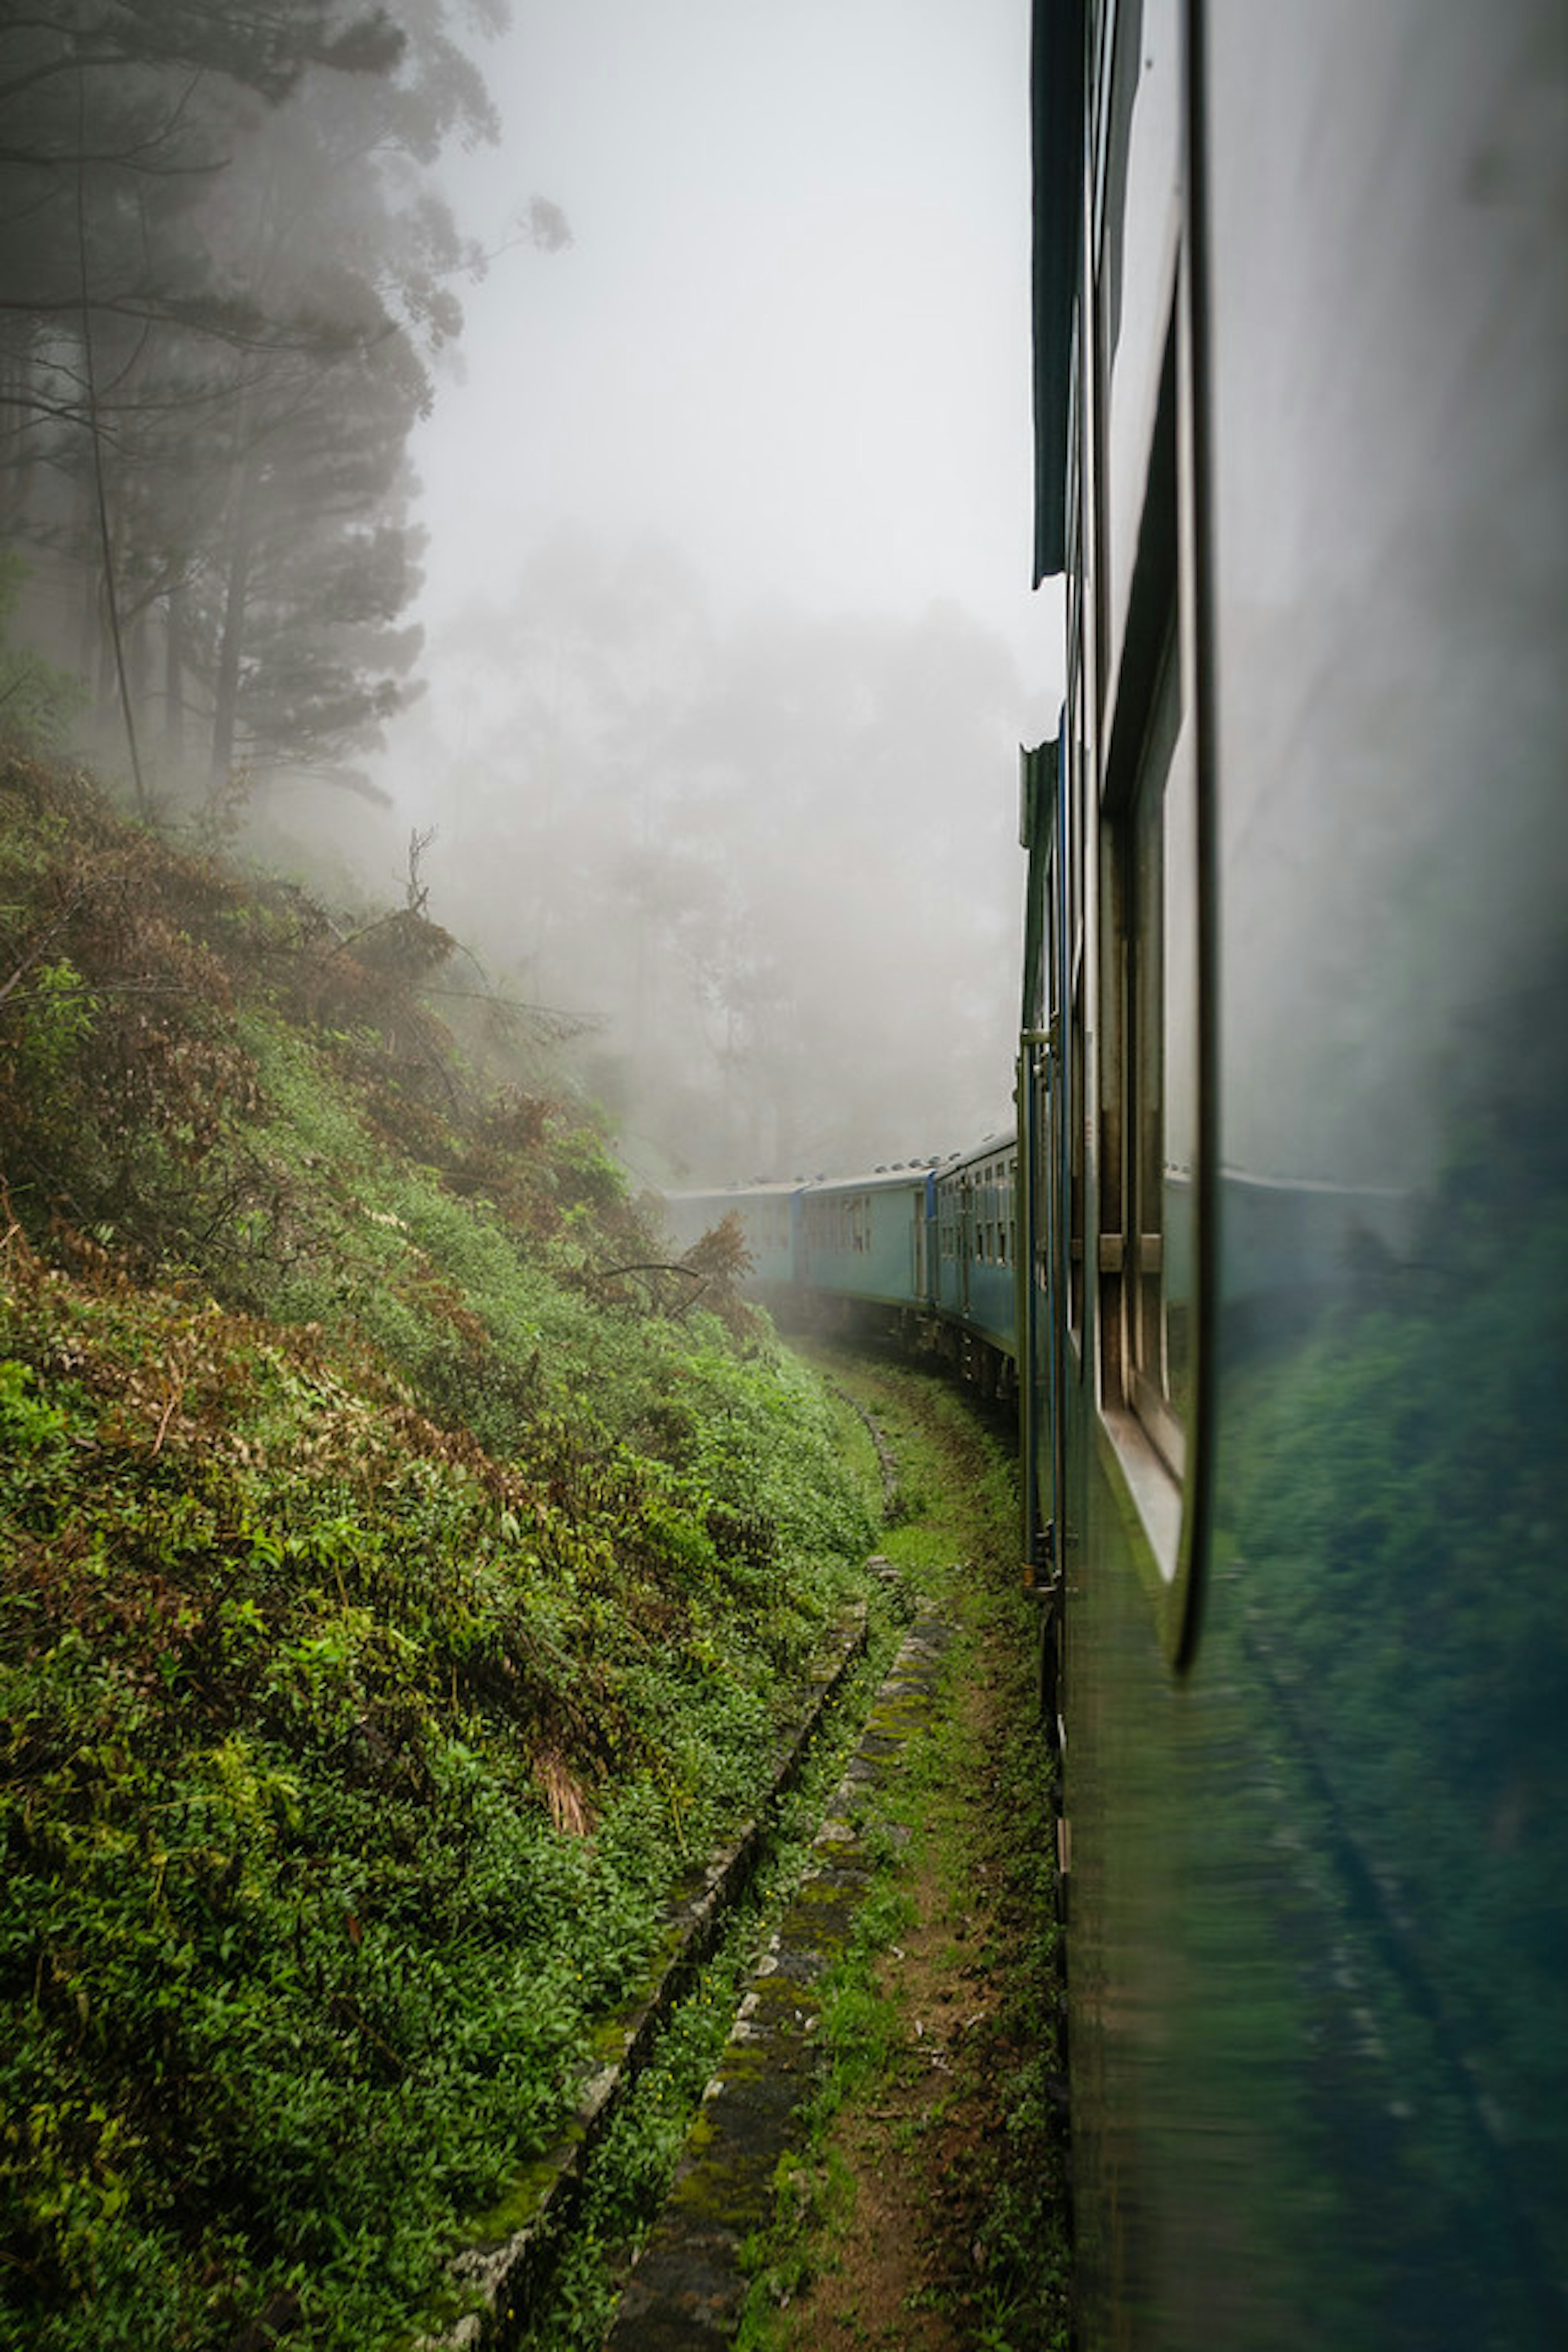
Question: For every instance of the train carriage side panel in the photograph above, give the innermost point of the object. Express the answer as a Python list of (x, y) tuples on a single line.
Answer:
[(1313, 1131), (978, 1241), (864, 1237), (768, 1217)]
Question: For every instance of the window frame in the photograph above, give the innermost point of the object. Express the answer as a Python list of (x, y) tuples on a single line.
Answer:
[(1151, 740)]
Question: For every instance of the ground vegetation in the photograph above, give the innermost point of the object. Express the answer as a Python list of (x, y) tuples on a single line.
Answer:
[(404, 1570), (926, 2206)]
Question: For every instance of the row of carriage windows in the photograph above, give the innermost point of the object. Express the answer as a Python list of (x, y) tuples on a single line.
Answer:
[(976, 1219), (770, 1225), (840, 1224)]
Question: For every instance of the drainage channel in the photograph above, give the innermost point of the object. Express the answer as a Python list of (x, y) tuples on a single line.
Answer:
[(690, 2283), (507, 2279)]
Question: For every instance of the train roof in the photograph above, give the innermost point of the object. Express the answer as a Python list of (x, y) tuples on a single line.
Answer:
[(1005, 1141), (903, 1172), (779, 1187), (872, 1179)]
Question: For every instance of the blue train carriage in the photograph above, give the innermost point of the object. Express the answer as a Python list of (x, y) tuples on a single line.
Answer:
[(1294, 1159), (768, 1215), (975, 1263), (865, 1243)]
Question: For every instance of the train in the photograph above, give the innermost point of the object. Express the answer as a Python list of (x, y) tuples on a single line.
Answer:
[(925, 1252), (1274, 1263)]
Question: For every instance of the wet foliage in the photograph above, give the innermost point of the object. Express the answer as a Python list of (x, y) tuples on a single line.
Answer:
[(396, 1589), (1398, 1526)]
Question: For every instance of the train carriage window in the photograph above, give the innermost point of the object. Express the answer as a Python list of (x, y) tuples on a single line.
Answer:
[(1072, 1093), (1149, 1091), (1161, 1012)]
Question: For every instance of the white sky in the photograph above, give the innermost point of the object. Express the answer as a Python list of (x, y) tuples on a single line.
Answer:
[(792, 334)]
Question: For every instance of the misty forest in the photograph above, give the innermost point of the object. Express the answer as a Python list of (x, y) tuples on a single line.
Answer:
[(414, 1566), (756, 857)]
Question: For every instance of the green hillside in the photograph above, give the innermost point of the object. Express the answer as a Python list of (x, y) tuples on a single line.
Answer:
[(404, 1572)]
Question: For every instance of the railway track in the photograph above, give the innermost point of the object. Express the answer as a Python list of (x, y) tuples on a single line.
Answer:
[(690, 2283), (630, 2233), (755, 1925)]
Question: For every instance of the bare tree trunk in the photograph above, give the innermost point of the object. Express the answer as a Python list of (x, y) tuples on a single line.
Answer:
[(20, 446), (106, 704), (90, 376), (175, 677), (89, 603), (242, 549)]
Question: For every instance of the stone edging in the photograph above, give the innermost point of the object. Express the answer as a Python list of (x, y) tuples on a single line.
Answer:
[(687, 2290), (510, 2274)]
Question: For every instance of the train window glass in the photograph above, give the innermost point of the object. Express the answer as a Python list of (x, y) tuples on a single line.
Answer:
[(1074, 751), (1149, 1083), (1159, 1047), (1074, 1107), (1146, 223), (1075, 1118), (1070, 1080), (1048, 994)]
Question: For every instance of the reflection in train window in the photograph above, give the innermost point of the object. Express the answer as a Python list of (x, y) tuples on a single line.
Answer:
[(1148, 1094), (1159, 1047), (1075, 752)]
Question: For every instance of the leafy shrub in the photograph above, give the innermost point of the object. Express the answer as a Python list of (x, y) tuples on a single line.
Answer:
[(391, 1598)]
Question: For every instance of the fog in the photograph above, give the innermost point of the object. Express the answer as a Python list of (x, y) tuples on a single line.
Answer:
[(771, 857), (790, 334), (599, 441), (732, 641)]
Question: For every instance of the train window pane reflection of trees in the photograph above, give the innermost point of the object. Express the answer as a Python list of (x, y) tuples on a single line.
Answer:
[(1159, 1046)]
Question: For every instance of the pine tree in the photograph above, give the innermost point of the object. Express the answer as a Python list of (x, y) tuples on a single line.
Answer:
[(226, 276)]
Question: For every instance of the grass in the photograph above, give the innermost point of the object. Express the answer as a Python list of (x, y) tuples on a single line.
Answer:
[(636, 2162), (392, 1595), (971, 1841)]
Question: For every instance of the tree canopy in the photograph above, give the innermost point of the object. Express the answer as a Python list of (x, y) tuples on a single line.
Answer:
[(228, 277)]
